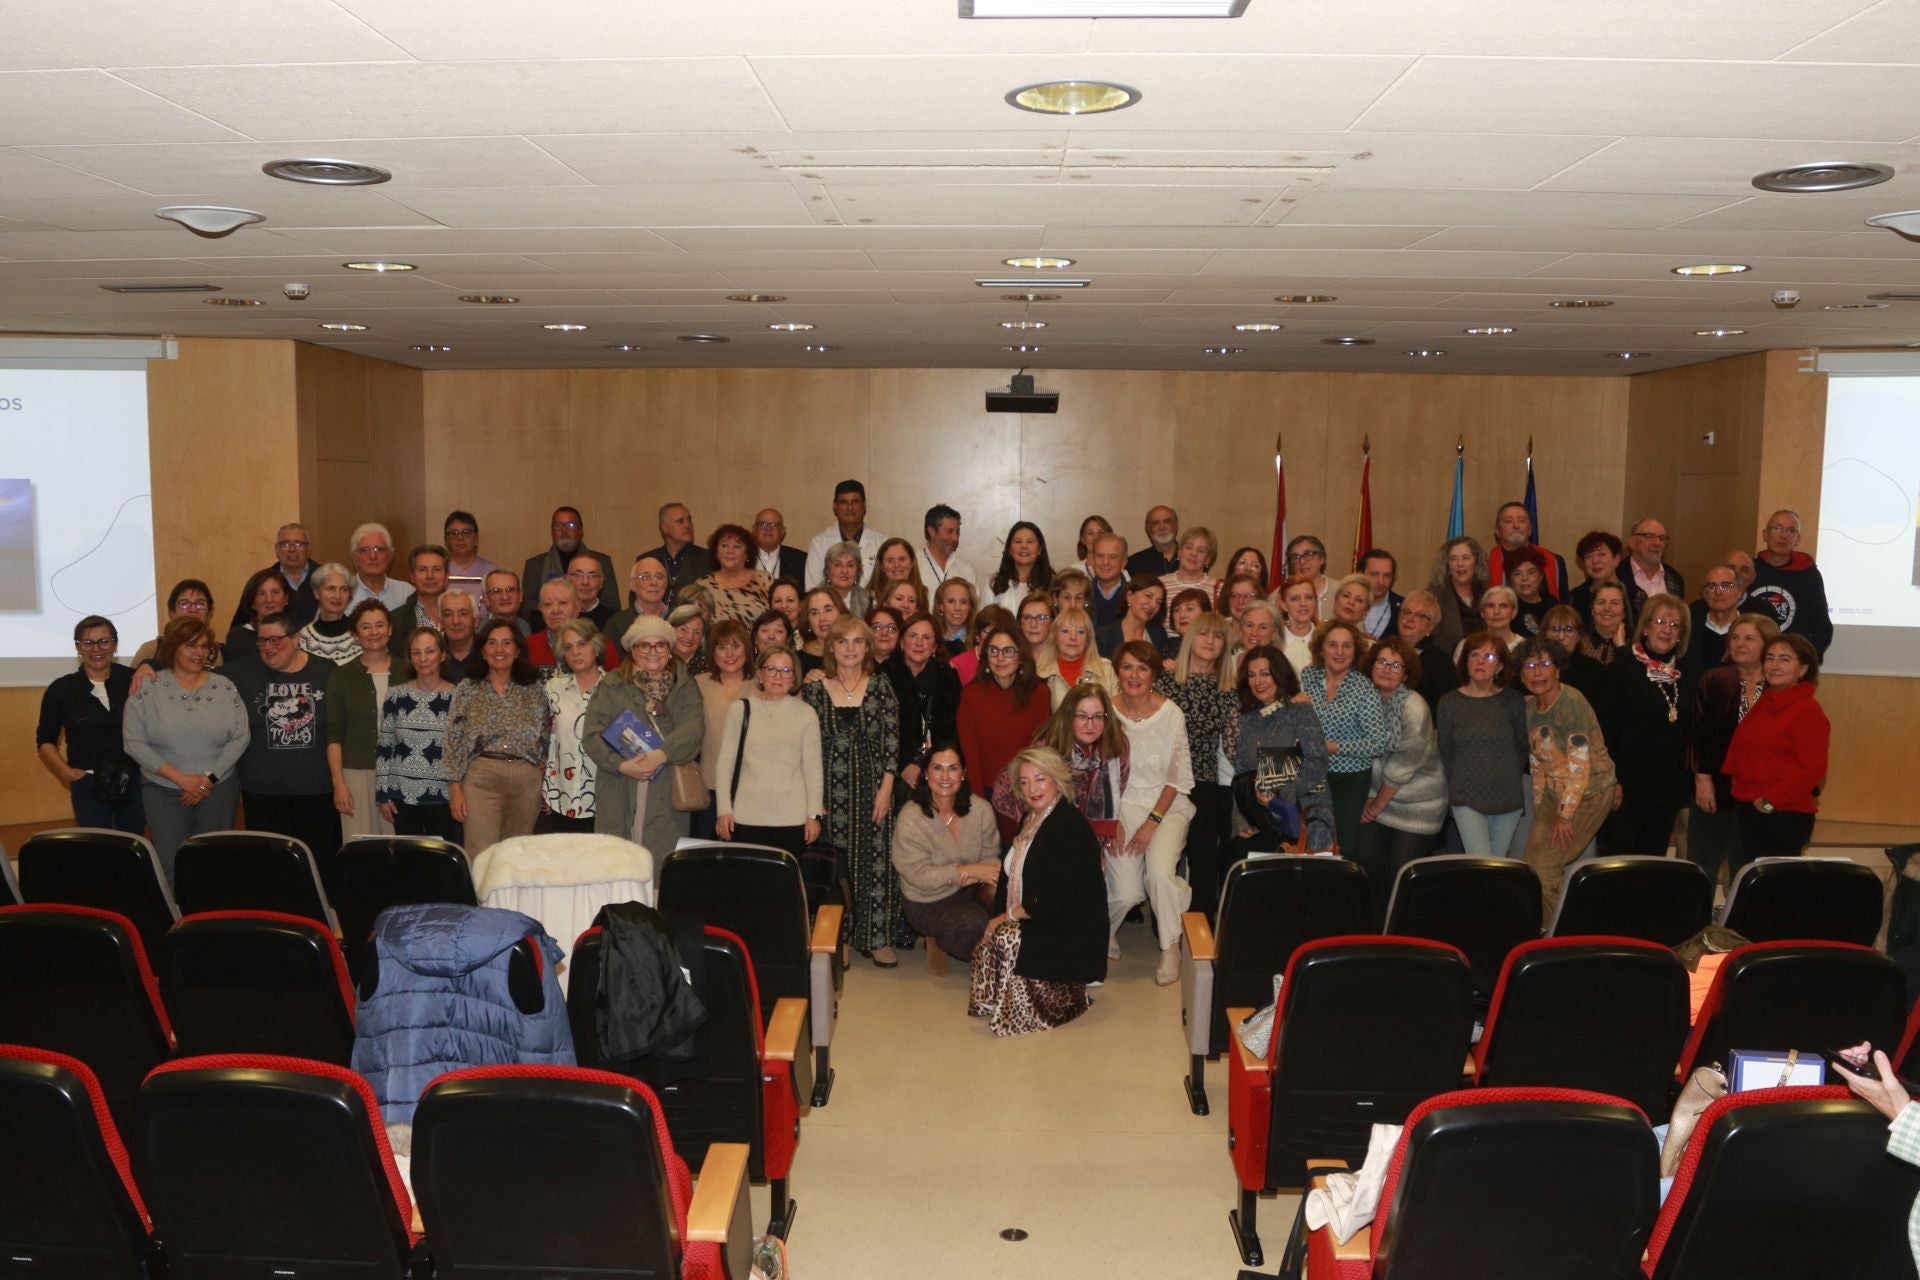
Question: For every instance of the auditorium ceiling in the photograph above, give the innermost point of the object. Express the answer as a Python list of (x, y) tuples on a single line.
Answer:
[(1431, 169)]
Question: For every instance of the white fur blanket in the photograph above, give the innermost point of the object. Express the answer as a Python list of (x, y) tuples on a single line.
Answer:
[(555, 861)]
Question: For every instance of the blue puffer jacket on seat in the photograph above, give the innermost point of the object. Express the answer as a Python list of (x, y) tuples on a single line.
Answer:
[(442, 1001)]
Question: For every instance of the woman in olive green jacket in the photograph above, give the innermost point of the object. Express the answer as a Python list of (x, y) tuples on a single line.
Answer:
[(653, 685), (354, 694)]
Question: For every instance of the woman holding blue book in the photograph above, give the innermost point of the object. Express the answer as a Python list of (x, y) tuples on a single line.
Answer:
[(643, 717)]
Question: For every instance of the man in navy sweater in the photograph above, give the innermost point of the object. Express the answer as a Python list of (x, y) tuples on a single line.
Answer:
[(1788, 585)]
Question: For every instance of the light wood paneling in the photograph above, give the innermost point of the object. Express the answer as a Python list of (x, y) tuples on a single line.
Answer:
[(362, 450), (1793, 457)]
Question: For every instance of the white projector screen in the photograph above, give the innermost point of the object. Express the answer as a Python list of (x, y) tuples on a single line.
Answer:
[(76, 514), (1869, 551)]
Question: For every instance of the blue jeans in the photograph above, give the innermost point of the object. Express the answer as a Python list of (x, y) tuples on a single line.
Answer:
[(1486, 834), (130, 815)]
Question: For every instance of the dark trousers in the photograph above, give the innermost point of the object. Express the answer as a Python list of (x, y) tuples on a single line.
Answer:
[(130, 815), (1638, 828), (1348, 792), (1381, 851), (701, 826), (1711, 837), (549, 823), (957, 922), (1206, 837), (792, 839), (1780, 834), (427, 820)]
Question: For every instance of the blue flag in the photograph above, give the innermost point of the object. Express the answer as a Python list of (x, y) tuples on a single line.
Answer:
[(1457, 517)]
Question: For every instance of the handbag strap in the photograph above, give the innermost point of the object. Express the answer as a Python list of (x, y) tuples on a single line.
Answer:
[(740, 751)]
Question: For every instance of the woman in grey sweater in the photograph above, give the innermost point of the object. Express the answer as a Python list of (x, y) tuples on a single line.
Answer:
[(186, 729), (767, 783), (1483, 745), (1408, 802)]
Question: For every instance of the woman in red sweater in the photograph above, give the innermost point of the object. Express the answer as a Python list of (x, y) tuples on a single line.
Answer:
[(1778, 757), (1001, 710)]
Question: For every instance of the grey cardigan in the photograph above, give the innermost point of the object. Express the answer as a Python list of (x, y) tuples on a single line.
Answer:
[(1419, 804), (682, 725)]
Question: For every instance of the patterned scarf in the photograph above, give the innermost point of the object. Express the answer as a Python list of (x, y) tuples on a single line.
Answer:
[(654, 687), (1657, 671), (1091, 795)]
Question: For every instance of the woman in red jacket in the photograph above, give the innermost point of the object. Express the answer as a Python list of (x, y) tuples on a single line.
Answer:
[(1001, 709), (1778, 756)]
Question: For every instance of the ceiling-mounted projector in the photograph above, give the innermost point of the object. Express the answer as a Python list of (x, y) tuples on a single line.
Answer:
[(1020, 397)]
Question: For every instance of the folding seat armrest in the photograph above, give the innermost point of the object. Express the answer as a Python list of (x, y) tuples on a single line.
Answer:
[(826, 930), (824, 946), (1196, 983), (1325, 1254), (1245, 1060), (783, 1029), (1199, 935), (1249, 1107), (719, 1195)]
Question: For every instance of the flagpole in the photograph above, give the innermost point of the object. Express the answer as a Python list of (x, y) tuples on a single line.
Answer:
[(1457, 515), (1363, 520), (1277, 566)]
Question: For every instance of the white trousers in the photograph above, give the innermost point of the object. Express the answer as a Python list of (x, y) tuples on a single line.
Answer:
[(1152, 877)]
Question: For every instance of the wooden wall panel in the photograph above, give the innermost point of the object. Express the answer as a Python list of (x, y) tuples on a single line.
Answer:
[(932, 442), (1793, 456), (496, 446), (1704, 494), (362, 447)]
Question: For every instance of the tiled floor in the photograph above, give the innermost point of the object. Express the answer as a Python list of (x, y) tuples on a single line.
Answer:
[(939, 1135)]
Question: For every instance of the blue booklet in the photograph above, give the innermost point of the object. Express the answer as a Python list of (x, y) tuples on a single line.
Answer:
[(631, 736)]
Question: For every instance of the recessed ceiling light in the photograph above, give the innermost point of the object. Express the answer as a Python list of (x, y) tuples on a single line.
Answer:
[(1023, 324), (1580, 304), (1426, 353), (994, 283), (756, 297), (377, 265), (1346, 342), (341, 326), (1223, 351), (326, 173), (1489, 330), (566, 328), (1832, 175), (819, 348), (1626, 355), (436, 347), (488, 299), (1073, 97), (790, 326), (1302, 298), (1712, 269), (1102, 8), (1718, 333), (1258, 326), (210, 220), (1039, 263), (702, 337), (1831, 306), (166, 286), (233, 302), (1029, 297), (1023, 349), (624, 346)]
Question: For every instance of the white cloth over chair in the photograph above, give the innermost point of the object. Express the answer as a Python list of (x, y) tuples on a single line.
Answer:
[(563, 880)]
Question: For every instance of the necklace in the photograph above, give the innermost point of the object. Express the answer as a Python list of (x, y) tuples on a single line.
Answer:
[(1671, 692), (1121, 705), (849, 696)]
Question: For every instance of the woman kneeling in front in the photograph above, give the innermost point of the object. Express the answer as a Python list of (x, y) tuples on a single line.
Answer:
[(1044, 946), (947, 851)]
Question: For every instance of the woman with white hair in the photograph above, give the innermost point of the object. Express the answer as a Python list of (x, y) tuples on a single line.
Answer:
[(1499, 609), (566, 785), (330, 634), (633, 795)]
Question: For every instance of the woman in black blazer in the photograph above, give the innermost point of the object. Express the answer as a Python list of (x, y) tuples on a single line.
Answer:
[(1047, 941), (87, 707)]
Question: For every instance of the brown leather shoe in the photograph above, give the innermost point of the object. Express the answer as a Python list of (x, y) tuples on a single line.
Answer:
[(937, 960)]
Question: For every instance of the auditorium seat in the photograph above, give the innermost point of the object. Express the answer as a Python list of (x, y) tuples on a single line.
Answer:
[(1780, 1183), (1905, 1059), (75, 980), (71, 1208), (1797, 994), (1664, 900), (263, 1165), (93, 867), (1835, 899), (549, 1171), (1603, 1014), (257, 982), (9, 883), (756, 893), (1484, 906), (1268, 907), (249, 871), (1507, 1183), (377, 872), (1368, 1028), (740, 1087)]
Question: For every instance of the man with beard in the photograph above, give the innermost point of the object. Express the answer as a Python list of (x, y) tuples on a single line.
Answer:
[(569, 540), (1513, 529), (1161, 555)]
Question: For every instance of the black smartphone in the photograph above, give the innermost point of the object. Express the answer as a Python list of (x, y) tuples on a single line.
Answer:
[(1865, 1070)]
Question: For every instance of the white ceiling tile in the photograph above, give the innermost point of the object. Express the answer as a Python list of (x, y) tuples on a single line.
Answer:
[(1115, 205), (1832, 214), (680, 260), (1688, 245), (1875, 34), (1085, 262), (429, 270), (967, 93), (1283, 236), (624, 159), (1688, 99), (1493, 161), (726, 203), (938, 238), (158, 33), (1350, 205), (1768, 271), (400, 241), (1874, 242), (1114, 296), (26, 176), (174, 242), (509, 281), (1375, 262), (289, 206), (400, 100), (45, 108), (234, 167), (1726, 166)]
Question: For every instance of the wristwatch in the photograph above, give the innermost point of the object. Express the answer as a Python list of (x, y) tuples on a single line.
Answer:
[(1762, 805)]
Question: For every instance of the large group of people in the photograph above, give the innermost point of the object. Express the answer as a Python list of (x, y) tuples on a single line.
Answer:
[(988, 756)]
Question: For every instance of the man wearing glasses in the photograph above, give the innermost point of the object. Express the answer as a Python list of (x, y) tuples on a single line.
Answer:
[(569, 540), (1648, 572), (647, 585), (1787, 584), (583, 572), (290, 548), (1714, 614), (372, 554), (771, 554), (503, 598), (467, 569), (284, 780)]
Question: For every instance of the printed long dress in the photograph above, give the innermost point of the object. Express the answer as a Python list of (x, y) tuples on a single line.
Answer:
[(858, 745)]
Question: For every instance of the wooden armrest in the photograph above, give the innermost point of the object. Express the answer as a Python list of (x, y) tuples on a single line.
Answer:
[(1360, 1248), (826, 930), (783, 1028), (722, 1181), (1468, 1068), (1199, 935), (1327, 1166), (1249, 1060)]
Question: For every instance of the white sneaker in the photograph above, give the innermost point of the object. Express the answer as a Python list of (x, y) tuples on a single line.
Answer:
[(1113, 948), (1169, 971)]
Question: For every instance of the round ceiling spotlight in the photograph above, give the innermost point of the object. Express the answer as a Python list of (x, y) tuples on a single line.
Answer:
[(1831, 175), (488, 299), (625, 346), (1023, 324), (702, 337), (341, 326), (326, 173), (1626, 355), (1426, 353), (1039, 263), (756, 297), (1712, 269), (1258, 326), (819, 348), (1223, 351), (1025, 349), (566, 328), (1489, 330), (1029, 297), (377, 264), (1302, 299), (790, 326), (1580, 304), (1346, 342), (435, 347), (1073, 97), (1718, 333), (209, 220), (233, 302)]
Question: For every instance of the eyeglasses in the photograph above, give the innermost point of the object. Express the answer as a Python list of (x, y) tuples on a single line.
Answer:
[(502, 591), (649, 577), (1036, 617), (885, 629), (777, 671), (1665, 624), (768, 524), (266, 639), (1415, 614), (105, 642), (652, 646), (288, 544), (1003, 651), (566, 524), (1384, 665), (1721, 586), (1563, 629), (1089, 717), (1651, 537), (190, 606), (1538, 664), (1783, 528), (453, 532), (1298, 556), (373, 551)]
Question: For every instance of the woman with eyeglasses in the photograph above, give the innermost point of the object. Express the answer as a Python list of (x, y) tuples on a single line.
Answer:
[(356, 692), (1646, 702), (330, 634), (1201, 683), (946, 850), (1777, 760), (187, 730), (1573, 779), (1563, 625), (266, 592), (1023, 567), (633, 794), (286, 784), (1458, 580), (190, 598), (1721, 700), (1307, 558), (1252, 562), (1035, 616), (88, 707), (768, 783), (1408, 804), (1001, 710), (1237, 591), (1482, 742)]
